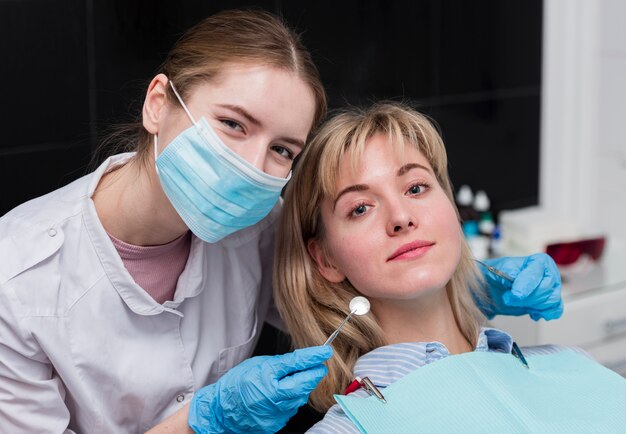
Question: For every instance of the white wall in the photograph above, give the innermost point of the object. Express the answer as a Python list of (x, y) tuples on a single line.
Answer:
[(583, 133), (612, 118), (583, 174)]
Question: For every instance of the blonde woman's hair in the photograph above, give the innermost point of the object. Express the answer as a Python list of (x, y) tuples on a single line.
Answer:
[(313, 307)]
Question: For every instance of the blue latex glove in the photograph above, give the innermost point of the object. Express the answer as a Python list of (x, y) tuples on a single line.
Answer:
[(260, 394), (536, 289)]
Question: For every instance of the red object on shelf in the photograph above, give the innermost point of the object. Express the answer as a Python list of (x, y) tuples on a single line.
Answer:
[(568, 253)]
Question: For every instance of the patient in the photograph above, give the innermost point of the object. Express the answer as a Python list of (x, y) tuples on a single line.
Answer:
[(370, 212)]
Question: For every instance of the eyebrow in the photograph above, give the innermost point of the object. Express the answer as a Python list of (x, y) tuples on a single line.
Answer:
[(364, 187), (410, 166), (246, 114), (243, 112), (349, 189), (295, 142)]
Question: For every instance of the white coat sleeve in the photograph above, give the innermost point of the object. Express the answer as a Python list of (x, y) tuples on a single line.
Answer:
[(31, 394)]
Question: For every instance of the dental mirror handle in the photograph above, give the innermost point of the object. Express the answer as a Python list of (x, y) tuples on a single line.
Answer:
[(332, 337)]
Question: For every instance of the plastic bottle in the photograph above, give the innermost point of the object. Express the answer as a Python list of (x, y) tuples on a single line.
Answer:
[(478, 244), (496, 247), (469, 217), (481, 205)]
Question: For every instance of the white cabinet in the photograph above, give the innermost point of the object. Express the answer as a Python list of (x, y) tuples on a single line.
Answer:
[(594, 316)]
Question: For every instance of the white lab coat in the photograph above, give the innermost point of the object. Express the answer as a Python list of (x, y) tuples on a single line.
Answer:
[(84, 349)]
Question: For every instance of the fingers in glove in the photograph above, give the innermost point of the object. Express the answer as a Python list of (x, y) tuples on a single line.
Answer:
[(552, 312), (301, 384), (529, 278), (299, 360)]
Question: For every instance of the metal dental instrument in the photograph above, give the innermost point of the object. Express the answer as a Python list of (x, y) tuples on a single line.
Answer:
[(359, 306), (367, 384), (518, 353), (495, 271), (332, 337)]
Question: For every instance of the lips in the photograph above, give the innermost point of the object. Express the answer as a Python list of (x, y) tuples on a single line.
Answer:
[(411, 250)]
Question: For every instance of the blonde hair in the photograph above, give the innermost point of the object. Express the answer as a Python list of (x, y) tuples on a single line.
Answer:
[(313, 307)]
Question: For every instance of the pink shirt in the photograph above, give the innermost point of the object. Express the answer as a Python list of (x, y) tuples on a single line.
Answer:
[(156, 268)]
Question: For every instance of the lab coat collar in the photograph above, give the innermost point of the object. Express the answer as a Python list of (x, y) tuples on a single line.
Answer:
[(135, 297)]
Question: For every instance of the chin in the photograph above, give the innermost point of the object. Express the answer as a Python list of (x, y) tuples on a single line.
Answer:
[(406, 292), (408, 286), (426, 281)]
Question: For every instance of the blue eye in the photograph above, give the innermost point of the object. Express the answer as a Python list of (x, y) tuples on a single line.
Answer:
[(359, 210), (417, 189)]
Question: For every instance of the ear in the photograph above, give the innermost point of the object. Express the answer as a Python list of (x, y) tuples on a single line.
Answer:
[(154, 103), (326, 269)]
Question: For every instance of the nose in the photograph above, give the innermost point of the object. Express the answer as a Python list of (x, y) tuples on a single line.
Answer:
[(255, 154), (401, 219)]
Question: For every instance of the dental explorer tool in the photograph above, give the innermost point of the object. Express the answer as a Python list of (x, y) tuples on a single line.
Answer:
[(515, 350), (495, 271), (359, 306)]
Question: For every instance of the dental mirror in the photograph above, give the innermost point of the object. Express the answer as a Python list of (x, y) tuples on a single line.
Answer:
[(359, 306)]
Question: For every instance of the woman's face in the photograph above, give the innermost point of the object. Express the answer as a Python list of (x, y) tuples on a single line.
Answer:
[(391, 230), (261, 112)]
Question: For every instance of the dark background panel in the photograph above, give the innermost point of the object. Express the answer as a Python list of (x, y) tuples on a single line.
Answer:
[(369, 49), (489, 45), (44, 79), (35, 173), (494, 143)]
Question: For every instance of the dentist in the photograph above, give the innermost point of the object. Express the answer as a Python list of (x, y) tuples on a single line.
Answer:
[(131, 298)]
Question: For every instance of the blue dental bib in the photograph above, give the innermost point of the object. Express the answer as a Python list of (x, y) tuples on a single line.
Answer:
[(482, 392)]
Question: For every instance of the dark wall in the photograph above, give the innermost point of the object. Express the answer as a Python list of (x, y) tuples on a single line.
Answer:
[(73, 67)]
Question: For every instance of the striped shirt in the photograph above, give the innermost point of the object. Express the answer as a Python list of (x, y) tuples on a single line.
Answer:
[(386, 365)]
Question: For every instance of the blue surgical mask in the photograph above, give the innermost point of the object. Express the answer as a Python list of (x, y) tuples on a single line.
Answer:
[(213, 189)]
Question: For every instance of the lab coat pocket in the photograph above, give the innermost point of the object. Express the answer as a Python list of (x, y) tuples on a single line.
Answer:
[(234, 355)]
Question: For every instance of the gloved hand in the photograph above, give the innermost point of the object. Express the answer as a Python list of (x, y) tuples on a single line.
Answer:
[(536, 289), (260, 394)]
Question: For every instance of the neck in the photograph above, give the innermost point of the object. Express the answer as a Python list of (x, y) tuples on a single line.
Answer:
[(425, 319), (133, 207)]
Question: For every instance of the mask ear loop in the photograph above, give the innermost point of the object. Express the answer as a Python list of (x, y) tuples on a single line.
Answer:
[(155, 152), (180, 100), (193, 121)]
